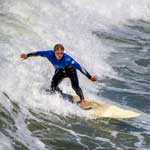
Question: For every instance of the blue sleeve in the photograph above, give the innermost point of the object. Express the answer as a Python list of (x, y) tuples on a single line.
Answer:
[(43, 53), (47, 53), (81, 69)]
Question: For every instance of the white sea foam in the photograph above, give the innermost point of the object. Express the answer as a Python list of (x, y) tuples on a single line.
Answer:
[(31, 25), (5, 142), (28, 26)]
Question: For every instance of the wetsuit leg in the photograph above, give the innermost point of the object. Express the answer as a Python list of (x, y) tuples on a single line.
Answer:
[(57, 78), (72, 74)]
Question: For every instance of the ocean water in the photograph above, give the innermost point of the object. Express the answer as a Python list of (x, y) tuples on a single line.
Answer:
[(111, 39)]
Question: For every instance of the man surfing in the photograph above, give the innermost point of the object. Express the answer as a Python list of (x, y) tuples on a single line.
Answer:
[(65, 66)]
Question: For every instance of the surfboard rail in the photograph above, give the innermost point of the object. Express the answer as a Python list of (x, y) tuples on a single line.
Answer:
[(100, 109)]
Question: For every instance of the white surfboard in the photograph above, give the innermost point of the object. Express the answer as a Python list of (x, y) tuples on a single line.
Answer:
[(100, 109)]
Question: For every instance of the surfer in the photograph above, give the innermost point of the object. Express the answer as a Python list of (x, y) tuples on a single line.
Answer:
[(65, 66)]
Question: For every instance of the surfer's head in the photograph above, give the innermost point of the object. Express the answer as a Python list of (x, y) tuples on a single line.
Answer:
[(59, 51)]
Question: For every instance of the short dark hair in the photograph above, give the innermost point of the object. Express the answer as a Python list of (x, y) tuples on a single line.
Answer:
[(58, 46)]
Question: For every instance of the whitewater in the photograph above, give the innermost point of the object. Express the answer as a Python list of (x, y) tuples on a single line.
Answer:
[(111, 39)]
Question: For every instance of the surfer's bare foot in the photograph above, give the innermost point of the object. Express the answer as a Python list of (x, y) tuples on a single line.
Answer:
[(84, 103)]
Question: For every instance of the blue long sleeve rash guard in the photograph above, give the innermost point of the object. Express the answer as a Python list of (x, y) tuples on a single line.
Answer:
[(65, 61)]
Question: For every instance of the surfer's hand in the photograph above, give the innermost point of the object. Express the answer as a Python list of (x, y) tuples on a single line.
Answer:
[(93, 78), (24, 56)]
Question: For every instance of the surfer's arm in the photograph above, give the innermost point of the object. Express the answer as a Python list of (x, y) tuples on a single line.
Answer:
[(38, 53), (81, 69), (32, 54), (76, 65), (47, 54)]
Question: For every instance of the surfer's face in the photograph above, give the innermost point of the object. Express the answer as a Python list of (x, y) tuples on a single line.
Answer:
[(59, 52)]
